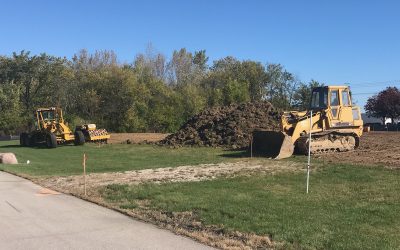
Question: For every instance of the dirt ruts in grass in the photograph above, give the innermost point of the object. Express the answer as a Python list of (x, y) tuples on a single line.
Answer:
[(201, 172), (186, 223)]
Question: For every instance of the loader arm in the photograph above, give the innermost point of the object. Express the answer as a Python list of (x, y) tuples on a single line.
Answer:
[(302, 126)]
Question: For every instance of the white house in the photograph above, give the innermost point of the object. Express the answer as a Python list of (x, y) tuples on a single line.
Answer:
[(366, 119)]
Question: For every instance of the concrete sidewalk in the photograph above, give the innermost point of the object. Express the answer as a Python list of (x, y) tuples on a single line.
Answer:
[(35, 218)]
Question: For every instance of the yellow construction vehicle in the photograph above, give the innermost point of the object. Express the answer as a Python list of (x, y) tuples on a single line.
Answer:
[(51, 130), (336, 125)]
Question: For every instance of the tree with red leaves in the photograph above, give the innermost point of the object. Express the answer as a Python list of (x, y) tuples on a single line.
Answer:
[(386, 104)]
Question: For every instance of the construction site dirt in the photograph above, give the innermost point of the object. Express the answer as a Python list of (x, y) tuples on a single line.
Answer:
[(376, 148)]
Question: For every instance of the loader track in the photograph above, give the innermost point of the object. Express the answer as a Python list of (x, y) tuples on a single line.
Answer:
[(327, 142)]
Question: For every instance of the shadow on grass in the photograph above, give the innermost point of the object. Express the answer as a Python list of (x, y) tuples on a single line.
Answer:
[(246, 154), (10, 146), (38, 146), (235, 154)]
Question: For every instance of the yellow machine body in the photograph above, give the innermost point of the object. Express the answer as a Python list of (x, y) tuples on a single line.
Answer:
[(52, 120), (52, 130), (336, 125), (94, 134)]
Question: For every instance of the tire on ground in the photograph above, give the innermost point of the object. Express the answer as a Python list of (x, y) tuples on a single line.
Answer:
[(51, 140), (33, 140), (79, 138), (24, 139)]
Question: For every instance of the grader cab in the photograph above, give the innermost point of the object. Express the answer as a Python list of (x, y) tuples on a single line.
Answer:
[(51, 130)]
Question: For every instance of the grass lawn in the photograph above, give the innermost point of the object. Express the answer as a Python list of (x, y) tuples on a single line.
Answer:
[(349, 207), (67, 160)]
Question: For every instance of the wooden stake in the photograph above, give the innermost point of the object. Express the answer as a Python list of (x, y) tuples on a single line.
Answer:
[(84, 171)]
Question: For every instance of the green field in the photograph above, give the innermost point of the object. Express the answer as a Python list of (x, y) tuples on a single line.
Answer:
[(67, 160), (349, 207)]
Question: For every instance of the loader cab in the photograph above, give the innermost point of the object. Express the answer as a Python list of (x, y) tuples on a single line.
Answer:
[(330, 96), (336, 101)]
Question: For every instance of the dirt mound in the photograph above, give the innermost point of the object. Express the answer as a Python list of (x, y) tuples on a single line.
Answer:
[(228, 126)]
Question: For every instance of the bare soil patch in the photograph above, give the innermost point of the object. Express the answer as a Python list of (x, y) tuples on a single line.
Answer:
[(118, 138), (376, 148), (74, 184)]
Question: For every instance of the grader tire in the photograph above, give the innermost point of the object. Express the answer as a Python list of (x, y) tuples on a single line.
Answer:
[(79, 138), (51, 140), (33, 140), (24, 139)]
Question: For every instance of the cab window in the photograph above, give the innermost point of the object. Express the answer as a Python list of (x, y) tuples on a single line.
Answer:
[(315, 100), (334, 101), (319, 98), (345, 98), (48, 115)]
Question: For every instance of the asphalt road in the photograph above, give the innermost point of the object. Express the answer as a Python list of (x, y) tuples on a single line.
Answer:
[(32, 217)]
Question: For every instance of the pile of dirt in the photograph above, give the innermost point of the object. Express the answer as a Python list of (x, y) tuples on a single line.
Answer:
[(227, 126)]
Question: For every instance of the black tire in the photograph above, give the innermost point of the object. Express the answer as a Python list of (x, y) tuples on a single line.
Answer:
[(51, 140), (79, 138), (33, 140), (23, 139)]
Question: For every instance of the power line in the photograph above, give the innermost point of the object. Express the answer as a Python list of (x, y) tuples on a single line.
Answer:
[(374, 83), (374, 93)]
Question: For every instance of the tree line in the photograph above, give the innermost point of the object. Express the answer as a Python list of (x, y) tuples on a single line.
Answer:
[(385, 104), (152, 93)]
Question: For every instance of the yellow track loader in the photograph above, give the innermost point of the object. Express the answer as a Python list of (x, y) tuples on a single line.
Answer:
[(336, 125), (52, 131)]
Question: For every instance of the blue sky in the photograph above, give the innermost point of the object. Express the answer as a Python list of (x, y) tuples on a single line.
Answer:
[(334, 42)]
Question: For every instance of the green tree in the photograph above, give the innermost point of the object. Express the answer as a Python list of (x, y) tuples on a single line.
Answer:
[(302, 95), (10, 108), (281, 86), (254, 73), (36, 78), (180, 67), (386, 104), (200, 59), (229, 81)]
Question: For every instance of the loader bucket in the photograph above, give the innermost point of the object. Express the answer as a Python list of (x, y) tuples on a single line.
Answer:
[(272, 144)]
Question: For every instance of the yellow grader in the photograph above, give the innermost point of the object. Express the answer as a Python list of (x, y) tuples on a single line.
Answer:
[(51, 130), (336, 125)]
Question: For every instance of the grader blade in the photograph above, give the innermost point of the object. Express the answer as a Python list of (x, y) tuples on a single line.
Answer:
[(272, 144)]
